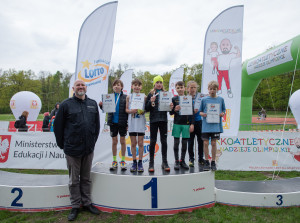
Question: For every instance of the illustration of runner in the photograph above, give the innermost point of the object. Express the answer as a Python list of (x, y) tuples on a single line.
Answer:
[(213, 52), (224, 61)]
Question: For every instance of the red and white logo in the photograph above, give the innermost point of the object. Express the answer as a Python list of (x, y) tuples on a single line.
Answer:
[(34, 104), (4, 147), (12, 104)]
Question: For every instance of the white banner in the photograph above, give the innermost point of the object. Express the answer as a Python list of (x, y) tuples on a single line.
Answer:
[(126, 78), (72, 80), (176, 76), (249, 151), (272, 58), (222, 62), (94, 51)]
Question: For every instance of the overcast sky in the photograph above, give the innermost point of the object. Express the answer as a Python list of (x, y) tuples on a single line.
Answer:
[(150, 35)]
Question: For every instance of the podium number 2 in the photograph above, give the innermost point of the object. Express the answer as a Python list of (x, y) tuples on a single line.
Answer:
[(14, 203), (153, 185)]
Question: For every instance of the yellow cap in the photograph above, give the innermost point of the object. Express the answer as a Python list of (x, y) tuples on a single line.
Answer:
[(158, 78)]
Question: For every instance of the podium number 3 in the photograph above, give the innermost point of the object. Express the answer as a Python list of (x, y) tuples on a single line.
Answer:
[(20, 194), (153, 185)]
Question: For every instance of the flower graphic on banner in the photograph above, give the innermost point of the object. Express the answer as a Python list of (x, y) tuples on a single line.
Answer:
[(4, 147), (93, 71)]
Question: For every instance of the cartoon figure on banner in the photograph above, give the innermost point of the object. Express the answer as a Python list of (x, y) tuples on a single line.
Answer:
[(173, 89), (4, 148), (297, 153), (213, 52), (223, 64)]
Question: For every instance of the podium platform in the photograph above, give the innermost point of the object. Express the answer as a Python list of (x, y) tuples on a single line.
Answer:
[(267, 194), (158, 193)]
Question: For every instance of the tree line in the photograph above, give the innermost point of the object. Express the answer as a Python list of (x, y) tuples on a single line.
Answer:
[(271, 94)]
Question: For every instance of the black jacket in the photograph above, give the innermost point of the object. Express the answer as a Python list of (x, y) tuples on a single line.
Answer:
[(23, 124), (155, 114), (123, 116), (54, 111), (46, 121), (77, 125), (180, 119)]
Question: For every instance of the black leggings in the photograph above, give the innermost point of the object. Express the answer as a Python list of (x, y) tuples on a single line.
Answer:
[(184, 143), (163, 129), (197, 132)]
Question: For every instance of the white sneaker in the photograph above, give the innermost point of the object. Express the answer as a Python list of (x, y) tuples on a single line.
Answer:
[(219, 92), (229, 93)]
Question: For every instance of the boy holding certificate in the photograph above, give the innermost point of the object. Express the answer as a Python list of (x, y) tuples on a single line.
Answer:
[(192, 87), (158, 120), (117, 122), (183, 125), (212, 109), (136, 123)]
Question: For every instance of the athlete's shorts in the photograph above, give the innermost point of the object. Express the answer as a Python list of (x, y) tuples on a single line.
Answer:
[(181, 129), (116, 129), (212, 135), (136, 133)]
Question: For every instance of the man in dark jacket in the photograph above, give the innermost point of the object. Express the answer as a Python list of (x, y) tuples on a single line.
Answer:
[(76, 128)]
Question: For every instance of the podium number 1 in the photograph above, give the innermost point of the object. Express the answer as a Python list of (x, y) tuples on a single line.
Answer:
[(153, 185)]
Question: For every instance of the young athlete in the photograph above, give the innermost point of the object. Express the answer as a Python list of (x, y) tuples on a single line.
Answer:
[(183, 125), (158, 121), (192, 87), (117, 122), (211, 127), (136, 128)]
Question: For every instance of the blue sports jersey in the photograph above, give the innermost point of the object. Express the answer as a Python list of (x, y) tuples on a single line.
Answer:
[(212, 127)]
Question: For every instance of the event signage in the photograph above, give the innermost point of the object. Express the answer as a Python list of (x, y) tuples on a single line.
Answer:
[(126, 78), (94, 50), (250, 151), (272, 58), (222, 62)]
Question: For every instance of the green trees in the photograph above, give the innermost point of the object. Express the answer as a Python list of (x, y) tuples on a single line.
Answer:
[(272, 93)]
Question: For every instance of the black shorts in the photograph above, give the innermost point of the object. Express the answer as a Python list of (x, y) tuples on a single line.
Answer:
[(212, 135), (136, 133), (116, 129)]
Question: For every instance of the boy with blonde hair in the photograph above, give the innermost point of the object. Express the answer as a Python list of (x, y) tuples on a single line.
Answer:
[(212, 109)]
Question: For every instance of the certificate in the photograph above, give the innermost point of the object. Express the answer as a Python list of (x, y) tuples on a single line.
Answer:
[(198, 100), (213, 113), (108, 103), (165, 99), (137, 101), (186, 105)]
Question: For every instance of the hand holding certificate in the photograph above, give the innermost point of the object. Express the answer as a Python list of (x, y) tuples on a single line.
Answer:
[(165, 99), (213, 113), (108, 103), (186, 105), (137, 101)]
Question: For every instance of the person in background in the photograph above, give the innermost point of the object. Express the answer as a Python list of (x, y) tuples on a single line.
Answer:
[(23, 122), (46, 122), (54, 111)]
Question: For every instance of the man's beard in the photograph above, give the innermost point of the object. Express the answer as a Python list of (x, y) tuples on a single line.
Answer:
[(225, 51), (80, 93)]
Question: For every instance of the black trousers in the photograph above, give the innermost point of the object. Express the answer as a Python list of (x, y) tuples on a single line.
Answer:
[(197, 132), (163, 129)]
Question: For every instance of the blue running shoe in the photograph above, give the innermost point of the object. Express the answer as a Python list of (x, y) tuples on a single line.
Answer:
[(140, 166)]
